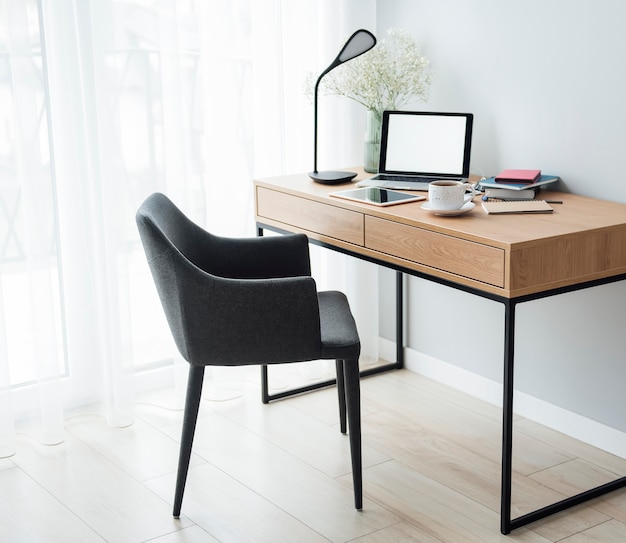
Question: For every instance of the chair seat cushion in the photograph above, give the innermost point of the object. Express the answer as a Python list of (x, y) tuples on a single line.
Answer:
[(340, 338)]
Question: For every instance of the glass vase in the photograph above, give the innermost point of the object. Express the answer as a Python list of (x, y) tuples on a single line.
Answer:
[(371, 150)]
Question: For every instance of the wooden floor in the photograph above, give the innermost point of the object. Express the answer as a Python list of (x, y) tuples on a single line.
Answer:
[(281, 473)]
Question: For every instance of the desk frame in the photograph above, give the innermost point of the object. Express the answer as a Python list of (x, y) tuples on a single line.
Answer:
[(507, 524)]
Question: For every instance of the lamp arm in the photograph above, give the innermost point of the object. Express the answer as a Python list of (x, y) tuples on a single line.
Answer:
[(315, 93)]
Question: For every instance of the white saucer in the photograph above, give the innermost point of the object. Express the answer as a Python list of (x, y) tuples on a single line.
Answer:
[(468, 206)]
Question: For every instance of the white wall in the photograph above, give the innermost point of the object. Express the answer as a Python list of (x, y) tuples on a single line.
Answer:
[(546, 81)]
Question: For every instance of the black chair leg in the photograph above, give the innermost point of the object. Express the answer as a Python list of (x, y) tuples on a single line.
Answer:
[(353, 396), (265, 394), (192, 405), (341, 392)]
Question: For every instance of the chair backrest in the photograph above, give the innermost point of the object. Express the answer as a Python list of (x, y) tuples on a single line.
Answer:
[(206, 298), (168, 238)]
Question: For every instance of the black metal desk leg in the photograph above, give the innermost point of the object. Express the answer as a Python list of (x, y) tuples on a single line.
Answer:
[(507, 524), (507, 416), (399, 319)]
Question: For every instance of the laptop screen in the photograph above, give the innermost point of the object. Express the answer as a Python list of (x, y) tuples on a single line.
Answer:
[(421, 143)]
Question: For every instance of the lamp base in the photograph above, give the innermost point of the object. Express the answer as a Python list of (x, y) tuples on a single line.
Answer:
[(332, 178)]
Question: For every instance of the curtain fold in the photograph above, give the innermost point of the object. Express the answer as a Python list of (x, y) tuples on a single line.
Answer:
[(103, 102)]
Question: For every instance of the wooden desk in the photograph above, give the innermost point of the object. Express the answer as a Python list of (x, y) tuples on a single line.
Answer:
[(507, 258)]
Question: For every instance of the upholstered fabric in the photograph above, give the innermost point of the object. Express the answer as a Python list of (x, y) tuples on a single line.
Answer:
[(240, 301), (339, 336)]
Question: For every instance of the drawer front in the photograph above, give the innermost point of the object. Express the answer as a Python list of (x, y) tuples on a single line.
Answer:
[(453, 255), (327, 220)]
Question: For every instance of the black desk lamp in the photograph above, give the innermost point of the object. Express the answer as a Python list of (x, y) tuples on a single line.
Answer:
[(360, 42)]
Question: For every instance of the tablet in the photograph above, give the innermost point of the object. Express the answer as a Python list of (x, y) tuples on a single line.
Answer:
[(377, 196)]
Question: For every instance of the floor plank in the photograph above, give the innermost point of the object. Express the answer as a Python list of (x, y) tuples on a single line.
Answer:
[(231, 512), (109, 500), (33, 514), (436, 509), (608, 532), (402, 532), (193, 534)]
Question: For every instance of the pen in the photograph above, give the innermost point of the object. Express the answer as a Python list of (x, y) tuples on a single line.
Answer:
[(491, 199), (487, 199)]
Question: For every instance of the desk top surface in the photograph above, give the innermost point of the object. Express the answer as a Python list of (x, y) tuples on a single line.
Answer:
[(576, 214), (583, 239)]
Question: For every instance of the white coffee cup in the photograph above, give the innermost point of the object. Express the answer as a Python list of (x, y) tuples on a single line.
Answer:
[(449, 195)]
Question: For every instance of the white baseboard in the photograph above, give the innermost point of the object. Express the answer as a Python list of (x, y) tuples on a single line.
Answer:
[(569, 423)]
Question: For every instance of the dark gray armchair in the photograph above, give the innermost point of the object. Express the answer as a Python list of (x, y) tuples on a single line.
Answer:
[(242, 301)]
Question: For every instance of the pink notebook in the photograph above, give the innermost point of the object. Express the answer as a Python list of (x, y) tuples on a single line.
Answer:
[(518, 176)]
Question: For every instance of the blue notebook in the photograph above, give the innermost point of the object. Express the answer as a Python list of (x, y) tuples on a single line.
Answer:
[(491, 183)]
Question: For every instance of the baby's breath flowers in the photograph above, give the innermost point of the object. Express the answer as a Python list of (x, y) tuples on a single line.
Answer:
[(389, 76)]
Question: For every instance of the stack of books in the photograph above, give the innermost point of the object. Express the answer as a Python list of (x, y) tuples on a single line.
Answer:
[(516, 184)]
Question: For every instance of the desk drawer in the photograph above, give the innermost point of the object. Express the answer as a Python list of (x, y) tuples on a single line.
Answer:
[(439, 251), (310, 215)]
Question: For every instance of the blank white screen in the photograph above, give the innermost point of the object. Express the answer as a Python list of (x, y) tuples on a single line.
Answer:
[(426, 144)]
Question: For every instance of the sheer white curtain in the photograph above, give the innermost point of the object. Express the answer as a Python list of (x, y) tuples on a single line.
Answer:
[(103, 102)]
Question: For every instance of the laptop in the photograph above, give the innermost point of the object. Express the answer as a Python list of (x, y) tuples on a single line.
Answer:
[(418, 147)]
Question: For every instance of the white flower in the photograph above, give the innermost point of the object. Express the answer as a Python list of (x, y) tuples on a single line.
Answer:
[(388, 76)]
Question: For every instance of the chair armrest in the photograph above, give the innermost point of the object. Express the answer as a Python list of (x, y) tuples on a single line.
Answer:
[(256, 258), (250, 321)]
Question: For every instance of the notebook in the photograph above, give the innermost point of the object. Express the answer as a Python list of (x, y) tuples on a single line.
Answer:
[(519, 206), (418, 147)]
